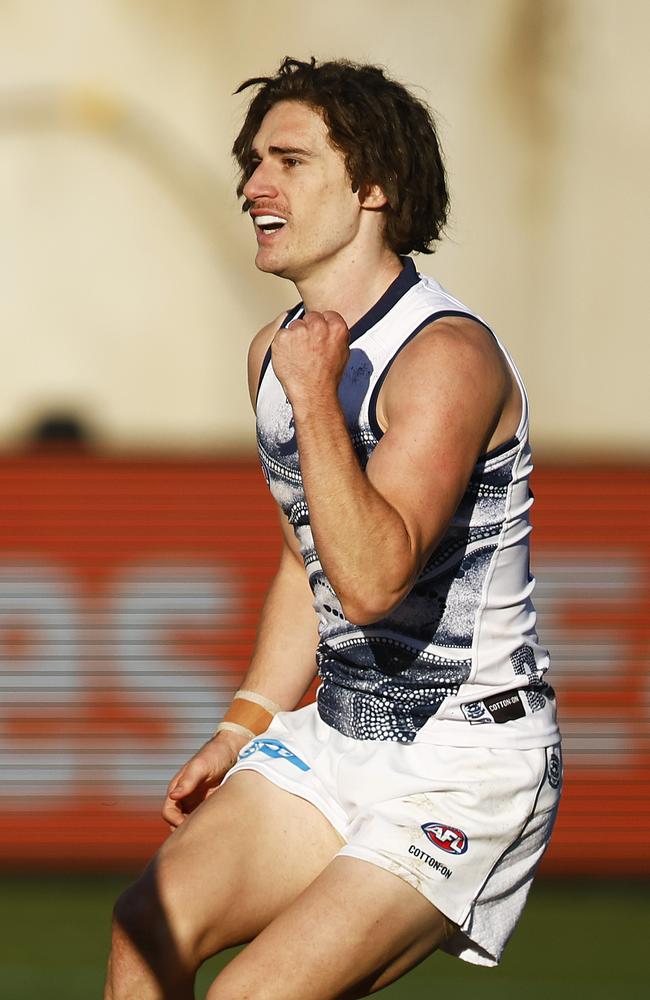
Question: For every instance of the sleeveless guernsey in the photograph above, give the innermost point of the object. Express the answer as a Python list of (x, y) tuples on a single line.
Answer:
[(458, 661)]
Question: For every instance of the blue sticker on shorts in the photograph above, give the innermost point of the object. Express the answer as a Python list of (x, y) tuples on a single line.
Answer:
[(274, 748)]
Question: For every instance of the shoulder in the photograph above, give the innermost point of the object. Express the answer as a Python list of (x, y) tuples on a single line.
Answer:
[(452, 357), (456, 342), (257, 351)]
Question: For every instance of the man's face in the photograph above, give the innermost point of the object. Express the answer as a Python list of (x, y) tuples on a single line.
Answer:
[(301, 200)]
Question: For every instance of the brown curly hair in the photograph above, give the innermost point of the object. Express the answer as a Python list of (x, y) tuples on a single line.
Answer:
[(386, 135)]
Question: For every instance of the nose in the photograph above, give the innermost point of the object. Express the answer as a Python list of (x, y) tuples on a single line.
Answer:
[(261, 184)]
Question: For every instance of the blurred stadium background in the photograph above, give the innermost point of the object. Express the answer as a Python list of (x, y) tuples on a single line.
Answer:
[(136, 536)]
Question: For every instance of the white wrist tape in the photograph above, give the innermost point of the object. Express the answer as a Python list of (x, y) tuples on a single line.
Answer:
[(258, 699), (249, 714), (234, 727)]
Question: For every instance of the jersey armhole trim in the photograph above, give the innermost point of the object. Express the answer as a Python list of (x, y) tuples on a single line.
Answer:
[(440, 314), (291, 315)]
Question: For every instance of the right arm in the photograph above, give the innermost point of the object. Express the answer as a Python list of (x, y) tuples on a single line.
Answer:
[(284, 659), (283, 664)]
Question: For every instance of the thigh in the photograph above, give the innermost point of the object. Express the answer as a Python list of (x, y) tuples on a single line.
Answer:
[(241, 858), (354, 930)]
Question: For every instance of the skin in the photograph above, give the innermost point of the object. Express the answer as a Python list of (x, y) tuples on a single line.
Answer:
[(216, 881)]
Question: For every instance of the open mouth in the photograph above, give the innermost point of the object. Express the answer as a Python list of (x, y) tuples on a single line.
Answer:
[(269, 223)]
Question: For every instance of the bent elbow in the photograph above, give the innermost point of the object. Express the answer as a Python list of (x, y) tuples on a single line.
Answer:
[(361, 616), (363, 610), (370, 596)]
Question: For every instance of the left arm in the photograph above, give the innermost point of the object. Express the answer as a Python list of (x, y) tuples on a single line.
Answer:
[(446, 397)]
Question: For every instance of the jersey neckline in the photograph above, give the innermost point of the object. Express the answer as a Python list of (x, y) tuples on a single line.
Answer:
[(407, 278)]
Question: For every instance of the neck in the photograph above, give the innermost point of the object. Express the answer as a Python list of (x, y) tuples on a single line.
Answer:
[(350, 286)]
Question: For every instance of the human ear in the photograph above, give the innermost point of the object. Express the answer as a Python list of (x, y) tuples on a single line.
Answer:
[(371, 196)]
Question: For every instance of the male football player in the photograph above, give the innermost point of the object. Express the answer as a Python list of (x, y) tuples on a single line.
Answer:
[(407, 809)]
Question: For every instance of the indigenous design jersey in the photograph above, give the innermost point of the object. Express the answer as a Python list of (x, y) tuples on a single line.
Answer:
[(458, 661)]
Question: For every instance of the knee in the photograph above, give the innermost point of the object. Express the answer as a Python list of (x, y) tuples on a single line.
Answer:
[(137, 914), (145, 915), (154, 917), (146, 955), (144, 929)]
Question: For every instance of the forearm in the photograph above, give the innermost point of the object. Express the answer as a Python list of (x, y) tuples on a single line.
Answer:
[(281, 669), (362, 542), (283, 664)]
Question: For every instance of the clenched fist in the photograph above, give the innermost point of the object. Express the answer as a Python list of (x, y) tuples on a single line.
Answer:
[(310, 355)]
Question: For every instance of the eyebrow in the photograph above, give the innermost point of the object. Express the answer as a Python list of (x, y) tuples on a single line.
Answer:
[(283, 151)]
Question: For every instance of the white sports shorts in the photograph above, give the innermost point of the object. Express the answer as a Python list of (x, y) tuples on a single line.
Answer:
[(465, 826)]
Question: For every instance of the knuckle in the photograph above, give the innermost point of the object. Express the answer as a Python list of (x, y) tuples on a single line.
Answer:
[(314, 320), (336, 323)]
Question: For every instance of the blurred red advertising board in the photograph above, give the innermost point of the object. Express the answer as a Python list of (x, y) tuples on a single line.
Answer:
[(129, 595)]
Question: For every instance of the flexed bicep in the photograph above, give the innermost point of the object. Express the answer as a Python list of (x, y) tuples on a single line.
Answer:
[(440, 405)]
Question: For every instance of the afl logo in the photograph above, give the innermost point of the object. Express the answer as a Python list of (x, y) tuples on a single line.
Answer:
[(448, 838)]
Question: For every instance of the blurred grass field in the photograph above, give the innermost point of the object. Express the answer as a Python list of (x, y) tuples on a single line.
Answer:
[(585, 938)]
